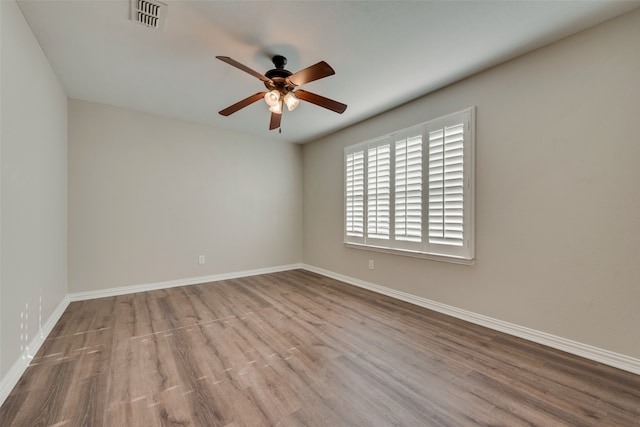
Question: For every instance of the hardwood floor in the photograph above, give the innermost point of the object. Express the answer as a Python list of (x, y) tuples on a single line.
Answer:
[(294, 349)]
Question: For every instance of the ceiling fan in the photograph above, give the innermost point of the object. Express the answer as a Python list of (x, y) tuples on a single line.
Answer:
[(281, 87)]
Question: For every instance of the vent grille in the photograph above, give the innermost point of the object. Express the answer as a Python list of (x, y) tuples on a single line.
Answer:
[(148, 13)]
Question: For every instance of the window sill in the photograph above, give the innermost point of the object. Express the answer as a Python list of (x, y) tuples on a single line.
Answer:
[(413, 254)]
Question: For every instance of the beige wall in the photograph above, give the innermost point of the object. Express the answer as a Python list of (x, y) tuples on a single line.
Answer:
[(148, 195), (558, 193), (33, 267)]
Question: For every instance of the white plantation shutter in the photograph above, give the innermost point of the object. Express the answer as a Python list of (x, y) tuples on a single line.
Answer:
[(412, 193), (354, 196), (378, 191), (446, 185), (408, 189)]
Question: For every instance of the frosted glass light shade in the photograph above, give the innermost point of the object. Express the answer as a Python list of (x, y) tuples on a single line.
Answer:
[(291, 101), (272, 97), (277, 108)]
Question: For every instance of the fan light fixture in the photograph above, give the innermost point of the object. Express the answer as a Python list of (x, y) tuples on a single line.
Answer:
[(274, 100)]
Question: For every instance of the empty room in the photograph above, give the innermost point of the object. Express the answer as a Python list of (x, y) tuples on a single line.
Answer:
[(319, 213)]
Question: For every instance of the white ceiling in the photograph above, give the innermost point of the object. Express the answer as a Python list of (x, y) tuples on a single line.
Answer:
[(385, 53)]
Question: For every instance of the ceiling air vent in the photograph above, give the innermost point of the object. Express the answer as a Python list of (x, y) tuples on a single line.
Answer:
[(148, 13)]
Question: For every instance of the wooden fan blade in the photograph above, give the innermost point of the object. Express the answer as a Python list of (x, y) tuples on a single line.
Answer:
[(309, 74), (321, 101), (241, 104), (243, 67), (275, 121)]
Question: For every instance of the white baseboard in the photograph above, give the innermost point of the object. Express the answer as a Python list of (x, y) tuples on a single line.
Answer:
[(606, 357), (20, 366), (123, 290)]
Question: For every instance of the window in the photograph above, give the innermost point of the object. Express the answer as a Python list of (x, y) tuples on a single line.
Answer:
[(412, 192)]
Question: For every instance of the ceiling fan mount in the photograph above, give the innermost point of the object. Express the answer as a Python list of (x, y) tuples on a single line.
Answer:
[(279, 62), (282, 88)]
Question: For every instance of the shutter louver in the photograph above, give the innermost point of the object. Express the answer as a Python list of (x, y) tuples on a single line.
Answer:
[(378, 191), (408, 189), (446, 185), (355, 194)]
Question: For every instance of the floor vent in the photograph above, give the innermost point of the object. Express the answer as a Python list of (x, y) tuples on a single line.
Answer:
[(148, 13)]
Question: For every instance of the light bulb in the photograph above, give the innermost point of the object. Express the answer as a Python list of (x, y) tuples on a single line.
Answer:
[(291, 101), (277, 108), (272, 97)]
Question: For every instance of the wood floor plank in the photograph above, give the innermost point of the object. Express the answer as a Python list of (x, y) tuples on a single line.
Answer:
[(43, 406), (299, 349)]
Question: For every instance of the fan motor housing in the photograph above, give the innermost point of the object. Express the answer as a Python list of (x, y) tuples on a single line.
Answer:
[(278, 75)]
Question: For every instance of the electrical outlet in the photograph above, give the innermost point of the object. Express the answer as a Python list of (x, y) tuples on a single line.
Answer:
[(201, 259), (370, 264)]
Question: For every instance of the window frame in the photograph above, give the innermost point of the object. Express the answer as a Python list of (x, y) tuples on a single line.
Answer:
[(464, 254)]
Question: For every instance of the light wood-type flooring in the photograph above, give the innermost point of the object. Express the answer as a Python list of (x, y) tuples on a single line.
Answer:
[(299, 349)]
